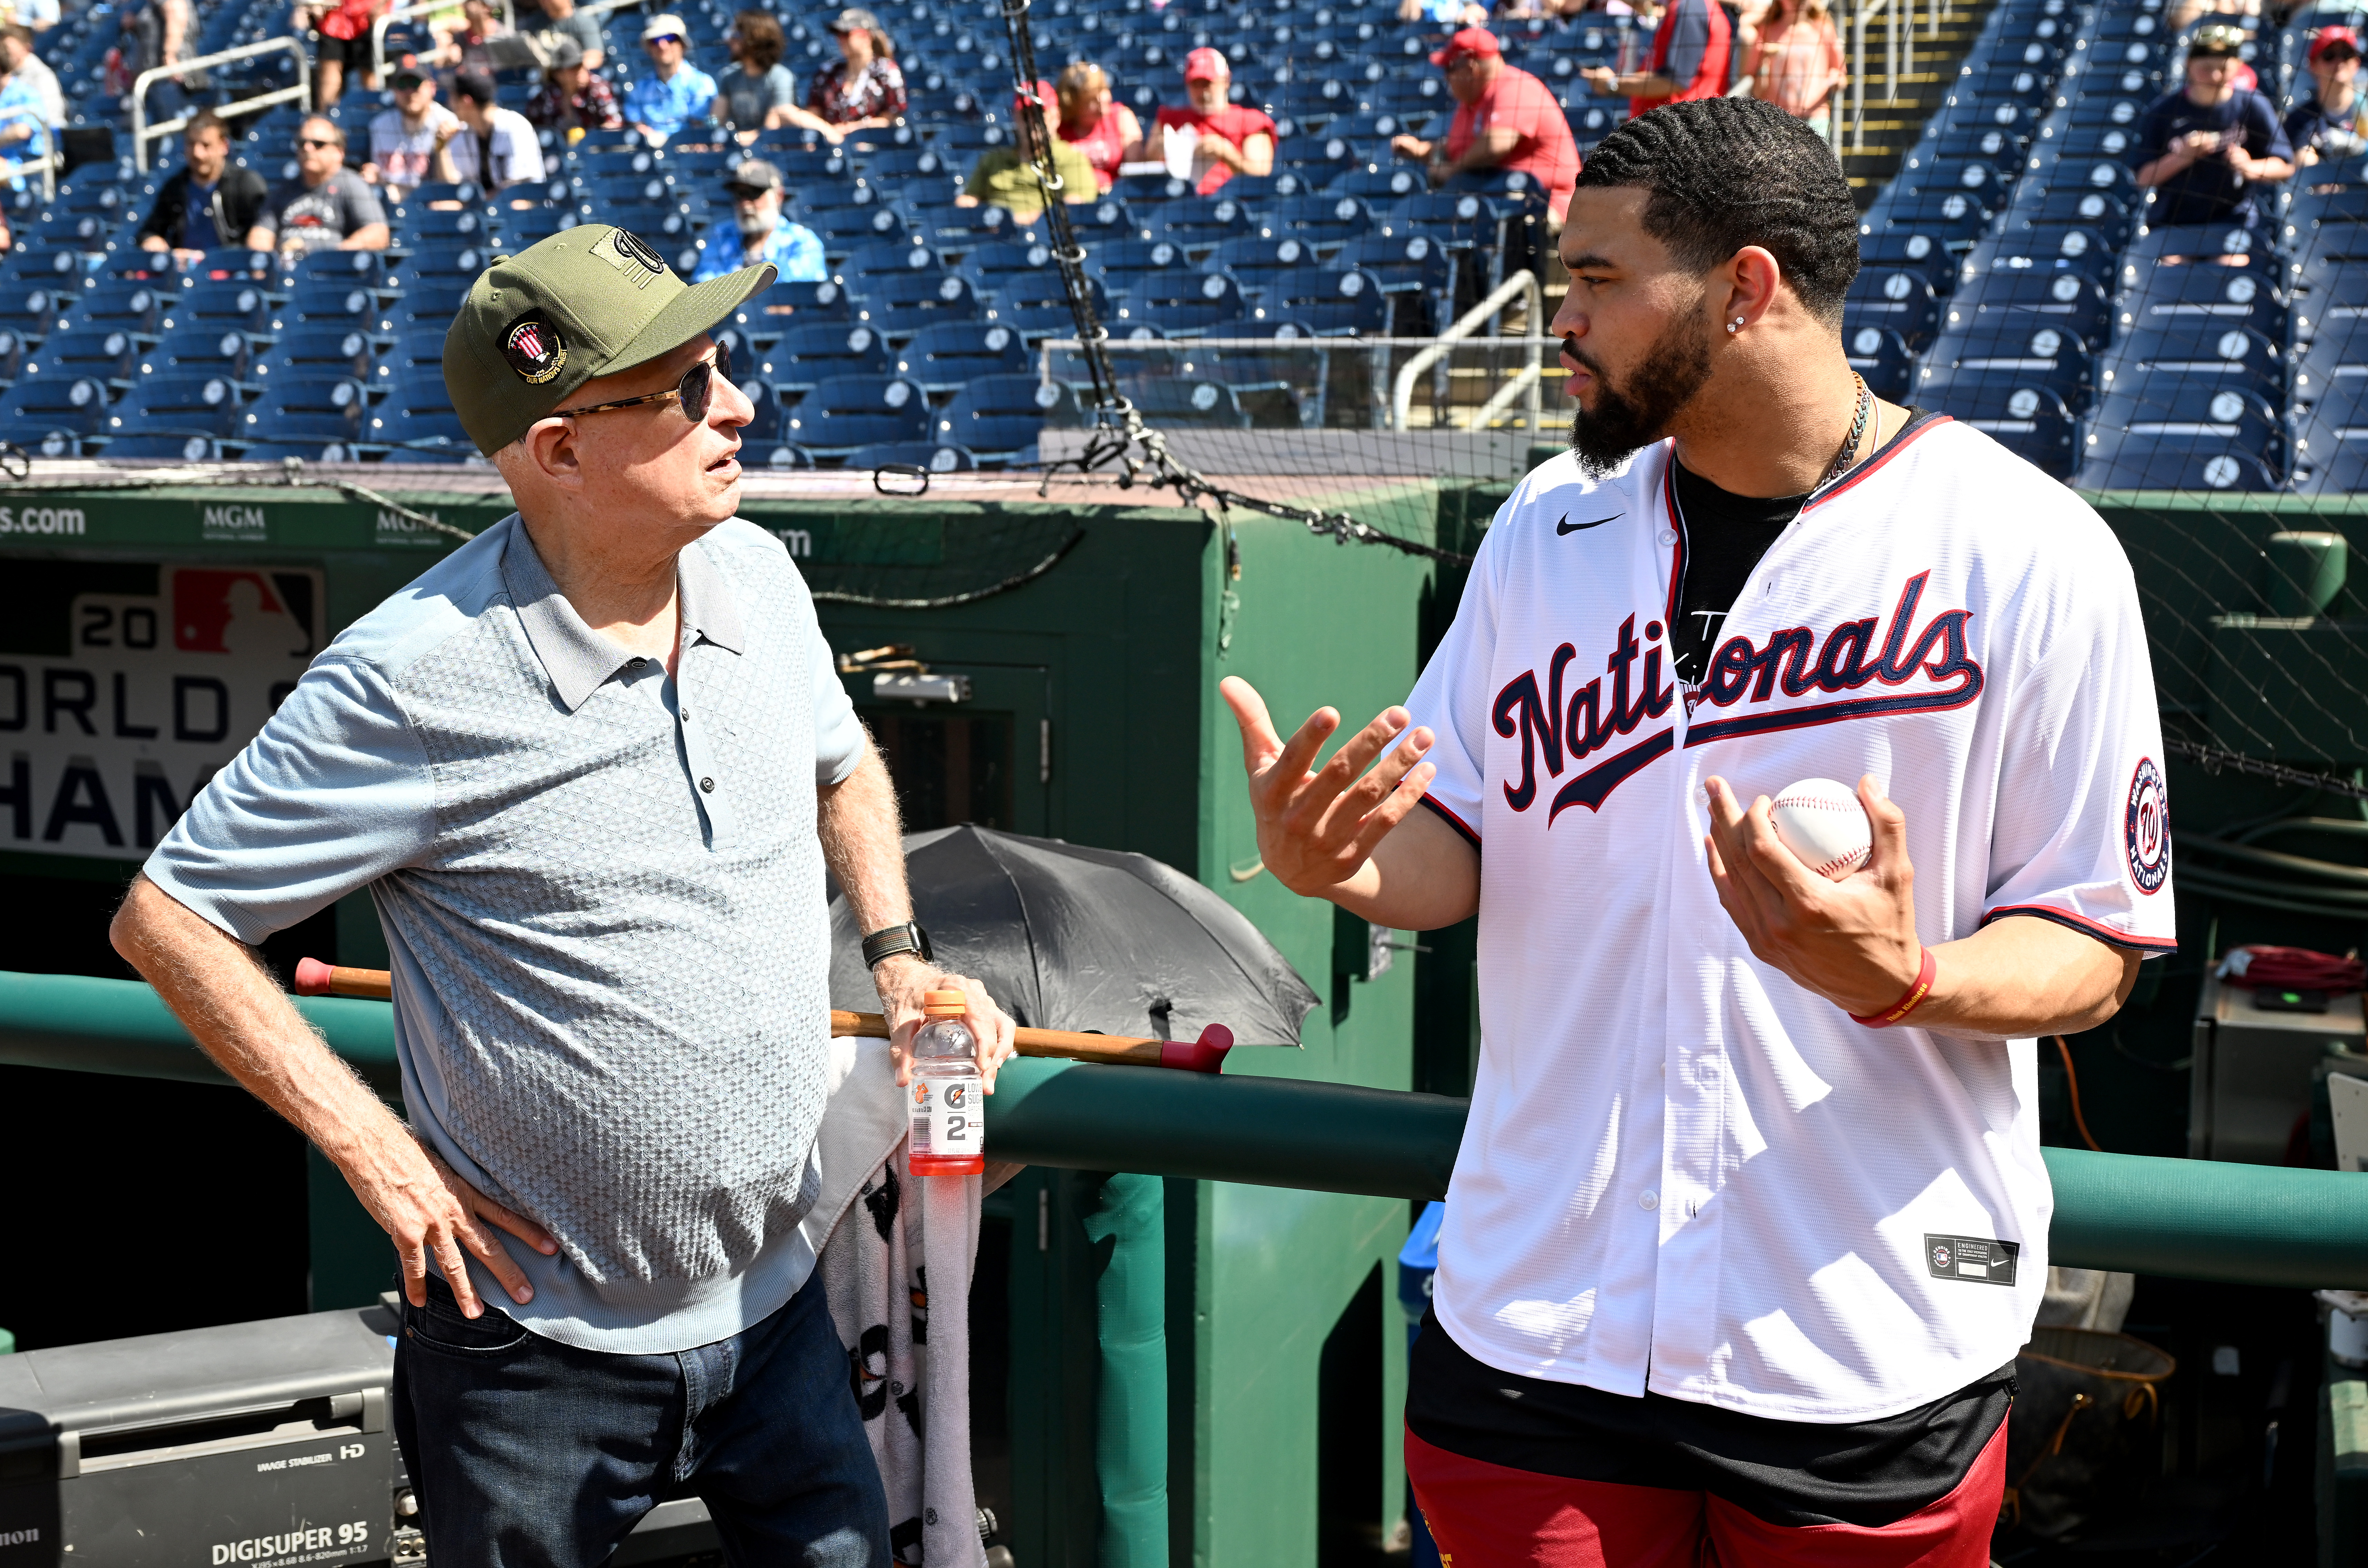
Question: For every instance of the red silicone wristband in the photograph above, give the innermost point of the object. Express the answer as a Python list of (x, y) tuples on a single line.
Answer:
[(1906, 1004)]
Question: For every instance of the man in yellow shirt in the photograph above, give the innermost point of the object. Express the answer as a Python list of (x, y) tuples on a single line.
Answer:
[(1006, 176)]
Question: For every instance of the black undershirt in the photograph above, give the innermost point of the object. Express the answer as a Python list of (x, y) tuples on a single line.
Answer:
[(1726, 536)]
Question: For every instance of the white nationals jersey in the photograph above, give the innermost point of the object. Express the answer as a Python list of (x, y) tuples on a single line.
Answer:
[(1683, 1171)]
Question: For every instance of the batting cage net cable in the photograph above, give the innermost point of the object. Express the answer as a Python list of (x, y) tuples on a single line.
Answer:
[(1119, 430)]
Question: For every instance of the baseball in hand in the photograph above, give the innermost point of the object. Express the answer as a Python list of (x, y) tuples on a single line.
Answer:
[(1822, 822)]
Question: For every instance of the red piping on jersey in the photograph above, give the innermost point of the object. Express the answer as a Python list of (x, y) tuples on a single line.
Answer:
[(1457, 823), (2097, 928), (1910, 432)]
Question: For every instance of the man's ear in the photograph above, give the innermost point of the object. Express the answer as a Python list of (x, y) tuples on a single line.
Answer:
[(1749, 282), (550, 453)]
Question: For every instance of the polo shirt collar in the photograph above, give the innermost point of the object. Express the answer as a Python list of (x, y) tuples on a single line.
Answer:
[(579, 660)]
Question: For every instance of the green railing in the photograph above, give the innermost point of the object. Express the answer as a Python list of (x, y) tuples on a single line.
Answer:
[(2250, 1225)]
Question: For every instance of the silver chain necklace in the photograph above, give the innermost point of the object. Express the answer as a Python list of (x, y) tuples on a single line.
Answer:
[(1849, 454)]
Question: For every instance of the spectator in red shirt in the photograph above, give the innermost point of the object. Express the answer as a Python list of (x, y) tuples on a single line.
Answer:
[(1506, 122), (1689, 59), (1234, 138)]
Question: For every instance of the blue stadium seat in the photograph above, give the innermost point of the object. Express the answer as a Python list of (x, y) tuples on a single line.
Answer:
[(433, 223), (807, 356), (2001, 302), (2119, 463), (1881, 356), (107, 352), (1182, 305), (179, 403), (941, 458), (2031, 421), (200, 349), (303, 452), (30, 309), (2130, 425), (117, 301), (2035, 354), (1331, 303), (998, 418), (170, 445), (1913, 250), (223, 303), (315, 405), (1903, 302), (418, 414), (2197, 353), (2108, 217), (426, 302), (1186, 400), (1201, 223), (946, 356), (901, 303), (1260, 264), (2239, 295), (367, 267), (1037, 307), (1327, 222), (2024, 249), (991, 268), (848, 412)]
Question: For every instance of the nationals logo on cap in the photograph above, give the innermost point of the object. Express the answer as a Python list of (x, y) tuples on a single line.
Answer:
[(631, 255), (534, 350)]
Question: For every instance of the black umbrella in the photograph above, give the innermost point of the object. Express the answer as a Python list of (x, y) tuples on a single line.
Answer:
[(1067, 938)]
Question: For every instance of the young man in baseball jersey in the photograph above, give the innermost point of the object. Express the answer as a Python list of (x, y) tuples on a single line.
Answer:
[(1749, 1219)]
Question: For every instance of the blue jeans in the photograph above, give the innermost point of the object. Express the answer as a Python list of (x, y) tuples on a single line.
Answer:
[(527, 1453)]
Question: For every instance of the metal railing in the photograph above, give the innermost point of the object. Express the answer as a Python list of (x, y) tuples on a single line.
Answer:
[(383, 25), (143, 133), (2185, 1219), (1898, 52), (1526, 384)]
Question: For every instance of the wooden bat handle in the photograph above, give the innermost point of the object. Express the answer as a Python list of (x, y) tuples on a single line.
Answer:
[(1206, 1054)]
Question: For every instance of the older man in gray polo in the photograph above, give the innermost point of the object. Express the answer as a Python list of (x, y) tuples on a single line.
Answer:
[(591, 767)]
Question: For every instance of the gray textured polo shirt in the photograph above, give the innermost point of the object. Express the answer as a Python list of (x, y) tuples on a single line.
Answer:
[(603, 892)]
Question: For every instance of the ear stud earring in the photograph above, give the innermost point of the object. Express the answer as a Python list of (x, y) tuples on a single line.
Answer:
[(1735, 326)]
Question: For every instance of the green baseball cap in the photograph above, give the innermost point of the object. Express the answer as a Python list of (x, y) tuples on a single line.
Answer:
[(585, 303)]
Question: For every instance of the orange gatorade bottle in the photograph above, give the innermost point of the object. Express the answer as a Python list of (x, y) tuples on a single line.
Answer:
[(949, 1117)]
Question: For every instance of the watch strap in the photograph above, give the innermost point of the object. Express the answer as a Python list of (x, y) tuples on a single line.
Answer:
[(887, 942)]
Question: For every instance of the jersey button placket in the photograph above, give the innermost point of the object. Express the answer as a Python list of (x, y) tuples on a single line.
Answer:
[(708, 781)]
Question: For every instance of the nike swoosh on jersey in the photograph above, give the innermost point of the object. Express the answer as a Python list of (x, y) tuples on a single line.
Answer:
[(1567, 527)]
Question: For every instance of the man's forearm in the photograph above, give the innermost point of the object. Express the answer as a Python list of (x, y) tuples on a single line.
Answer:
[(244, 1022), (863, 844), (1422, 876), (2025, 975)]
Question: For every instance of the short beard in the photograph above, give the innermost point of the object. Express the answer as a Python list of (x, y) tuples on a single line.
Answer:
[(759, 225), (1625, 419)]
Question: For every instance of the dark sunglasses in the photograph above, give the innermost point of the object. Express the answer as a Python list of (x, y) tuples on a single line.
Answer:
[(309, 143), (665, 37), (692, 392)]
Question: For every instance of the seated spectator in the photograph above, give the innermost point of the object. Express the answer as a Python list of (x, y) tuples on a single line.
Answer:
[(2329, 124), (675, 92), (496, 147), (2202, 148), (761, 233), (341, 42), (23, 119), (864, 91), (206, 202), (1006, 176), (1691, 46), (1093, 123), (1444, 13), (574, 99), (1795, 61), (1225, 139), (560, 20), (761, 93), (17, 58), (2189, 11), (465, 47), (410, 143), (1506, 122), (38, 16), (326, 207)]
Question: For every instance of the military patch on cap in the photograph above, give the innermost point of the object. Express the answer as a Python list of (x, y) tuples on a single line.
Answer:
[(534, 350), (631, 255)]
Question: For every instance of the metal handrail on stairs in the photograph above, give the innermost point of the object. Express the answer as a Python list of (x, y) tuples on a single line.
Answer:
[(1522, 286), (1899, 53), (143, 133)]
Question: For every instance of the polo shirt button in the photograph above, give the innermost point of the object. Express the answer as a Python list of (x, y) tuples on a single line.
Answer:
[(1649, 1202), (706, 786)]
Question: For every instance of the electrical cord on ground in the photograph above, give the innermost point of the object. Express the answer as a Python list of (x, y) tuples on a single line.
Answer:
[(1120, 431)]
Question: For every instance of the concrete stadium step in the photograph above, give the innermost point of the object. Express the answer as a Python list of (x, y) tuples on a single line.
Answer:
[(1893, 114)]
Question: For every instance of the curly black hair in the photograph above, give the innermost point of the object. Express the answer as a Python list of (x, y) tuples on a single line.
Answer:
[(1726, 172)]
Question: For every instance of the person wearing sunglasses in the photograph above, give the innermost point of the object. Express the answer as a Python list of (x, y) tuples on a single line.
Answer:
[(326, 206), (675, 92), (592, 767), (761, 231)]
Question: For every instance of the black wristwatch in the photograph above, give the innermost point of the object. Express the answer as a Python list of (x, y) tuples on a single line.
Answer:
[(886, 944)]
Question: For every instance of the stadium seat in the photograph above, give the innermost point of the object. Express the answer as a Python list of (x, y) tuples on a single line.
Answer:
[(1330, 303), (169, 446), (312, 405), (2030, 421), (2131, 422), (1327, 222), (225, 302), (901, 303), (1903, 302), (107, 352), (1177, 400), (998, 418), (2031, 353), (2197, 353), (946, 356), (1911, 250), (200, 349), (2108, 217), (2238, 295), (807, 356), (179, 404), (117, 301), (940, 458), (1181, 304), (1036, 306), (2006, 302), (303, 452), (2190, 466), (1881, 356), (848, 412), (2023, 249)]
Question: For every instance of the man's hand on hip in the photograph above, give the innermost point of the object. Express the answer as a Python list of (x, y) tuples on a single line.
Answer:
[(1317, 829), (1852, 942), (426, 1207), (902, 980)]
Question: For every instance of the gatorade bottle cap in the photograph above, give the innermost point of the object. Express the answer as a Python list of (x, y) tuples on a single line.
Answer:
[(954, 1002)]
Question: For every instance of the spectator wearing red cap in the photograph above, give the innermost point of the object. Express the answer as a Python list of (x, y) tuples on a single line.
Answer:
[(1506, 122), (1006, 176), (1689, 58), (1235, 139), (2329, 124)]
